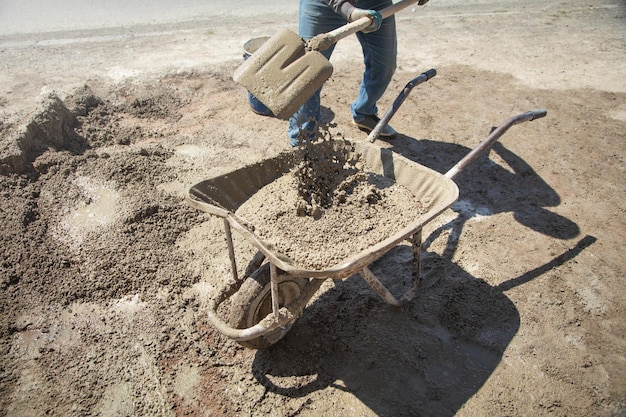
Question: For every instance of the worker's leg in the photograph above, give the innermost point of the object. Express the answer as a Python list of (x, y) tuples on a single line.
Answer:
[(379, 55), (314, 17)]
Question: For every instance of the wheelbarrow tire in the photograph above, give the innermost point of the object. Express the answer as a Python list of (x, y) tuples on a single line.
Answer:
[(253, 302)]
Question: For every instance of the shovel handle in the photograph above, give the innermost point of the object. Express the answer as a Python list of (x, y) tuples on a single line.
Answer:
[(325, 40)]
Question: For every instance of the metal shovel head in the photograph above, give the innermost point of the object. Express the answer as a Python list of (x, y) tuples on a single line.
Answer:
[(282, 74)]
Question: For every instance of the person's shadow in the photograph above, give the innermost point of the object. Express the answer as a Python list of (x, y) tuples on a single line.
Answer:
[(429, 357)]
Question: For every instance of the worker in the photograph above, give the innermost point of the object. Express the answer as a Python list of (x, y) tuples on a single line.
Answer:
[(379, 45)]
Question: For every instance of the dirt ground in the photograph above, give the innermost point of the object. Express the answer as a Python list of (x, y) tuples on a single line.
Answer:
[(106, 272)]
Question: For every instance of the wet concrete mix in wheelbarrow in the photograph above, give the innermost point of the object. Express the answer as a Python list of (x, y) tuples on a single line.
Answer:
[(329, 207)]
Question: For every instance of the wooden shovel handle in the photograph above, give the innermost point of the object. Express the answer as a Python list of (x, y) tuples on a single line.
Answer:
[(325, 40)]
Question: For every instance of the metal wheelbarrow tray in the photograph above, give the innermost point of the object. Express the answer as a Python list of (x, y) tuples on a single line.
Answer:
[(273, 292)]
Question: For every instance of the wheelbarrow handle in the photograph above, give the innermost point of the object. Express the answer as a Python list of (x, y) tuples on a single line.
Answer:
[(423, 77), (492, 138)]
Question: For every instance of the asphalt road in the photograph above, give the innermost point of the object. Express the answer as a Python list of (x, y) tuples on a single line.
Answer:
[(38, 16)]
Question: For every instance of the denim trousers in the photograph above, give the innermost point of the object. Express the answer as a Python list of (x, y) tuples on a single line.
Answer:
[(379, 56)]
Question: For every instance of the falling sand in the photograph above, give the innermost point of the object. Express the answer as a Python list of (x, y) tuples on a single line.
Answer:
[(328, 208)]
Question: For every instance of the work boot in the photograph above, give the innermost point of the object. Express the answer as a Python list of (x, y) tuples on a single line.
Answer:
[(368, 124)]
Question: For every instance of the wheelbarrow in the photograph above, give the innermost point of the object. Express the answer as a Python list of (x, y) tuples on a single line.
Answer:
[(273, 291)]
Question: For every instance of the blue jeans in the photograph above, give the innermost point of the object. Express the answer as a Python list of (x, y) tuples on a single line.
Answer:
[(379, 57)]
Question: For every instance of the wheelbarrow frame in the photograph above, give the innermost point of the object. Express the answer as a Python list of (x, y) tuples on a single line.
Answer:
[(221, 196)]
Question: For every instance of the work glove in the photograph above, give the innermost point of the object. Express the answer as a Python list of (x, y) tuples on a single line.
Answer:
[(377, 19)]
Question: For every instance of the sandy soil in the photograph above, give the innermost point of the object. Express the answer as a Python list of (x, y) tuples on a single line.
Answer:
[(106, 271)]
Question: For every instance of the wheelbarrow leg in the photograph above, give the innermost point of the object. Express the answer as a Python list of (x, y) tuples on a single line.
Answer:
[(379, 287), (416, 244), (231, 250), (274, 289)]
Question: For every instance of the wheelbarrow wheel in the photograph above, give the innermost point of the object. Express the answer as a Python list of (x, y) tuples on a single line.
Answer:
[(253, 302)]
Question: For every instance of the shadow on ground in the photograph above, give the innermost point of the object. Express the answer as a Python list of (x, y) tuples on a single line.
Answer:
[(429, 357), (489, 188), (425, 359)]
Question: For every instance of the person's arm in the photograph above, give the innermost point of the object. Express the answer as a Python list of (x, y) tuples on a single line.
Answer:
[(343, 7), (352, 13)]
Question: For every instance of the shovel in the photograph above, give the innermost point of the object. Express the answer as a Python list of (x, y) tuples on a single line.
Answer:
[(286, 70)]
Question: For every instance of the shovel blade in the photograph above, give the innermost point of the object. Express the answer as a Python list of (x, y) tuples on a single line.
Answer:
[(282, 75)]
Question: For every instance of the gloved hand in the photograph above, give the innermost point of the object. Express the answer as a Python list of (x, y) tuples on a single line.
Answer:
[(377, 19)]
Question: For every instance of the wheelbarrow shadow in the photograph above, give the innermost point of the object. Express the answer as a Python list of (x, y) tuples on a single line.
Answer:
[(429, 357), (425, 359), (487, 187)]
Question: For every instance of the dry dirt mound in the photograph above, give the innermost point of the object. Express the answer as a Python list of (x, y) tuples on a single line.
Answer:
[(84, 223)]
